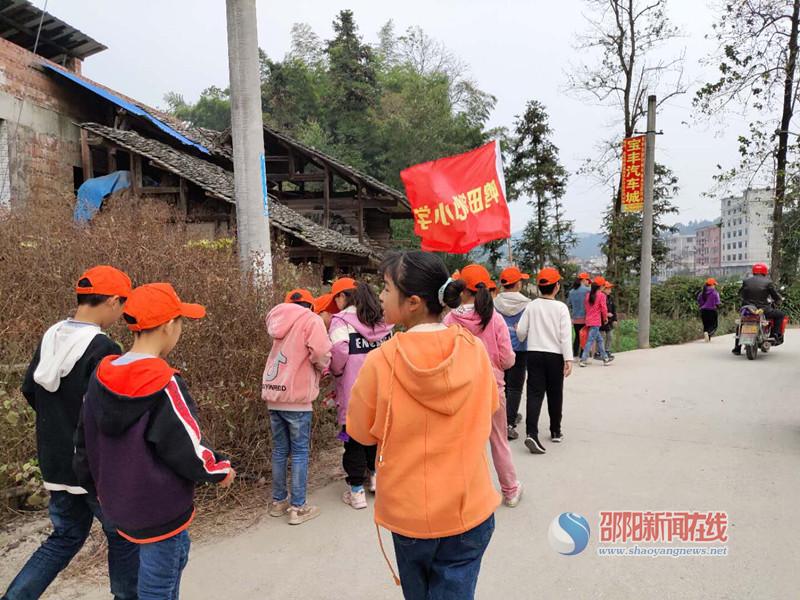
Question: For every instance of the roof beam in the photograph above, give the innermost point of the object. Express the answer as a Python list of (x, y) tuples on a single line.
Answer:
[(11, 22)]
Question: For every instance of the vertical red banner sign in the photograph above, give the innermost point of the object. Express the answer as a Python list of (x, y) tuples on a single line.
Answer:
[(633, 174), (459, 202)]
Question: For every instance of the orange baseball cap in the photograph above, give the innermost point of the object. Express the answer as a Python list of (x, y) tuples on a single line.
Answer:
[(711, 281), (343, 284), (473, 275), (106, 281), (599, 280), (583, 275), (154, 304), (512, 275), (301, 296), (323, 304), (492, 286), (548, 276), (456, 274), (609, 284)]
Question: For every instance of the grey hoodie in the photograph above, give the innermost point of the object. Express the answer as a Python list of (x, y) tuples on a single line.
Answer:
[(511, 306)]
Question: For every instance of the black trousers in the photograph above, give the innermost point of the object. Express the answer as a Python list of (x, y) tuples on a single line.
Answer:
[(515, 381), (576, 343), (710, 320), (356, 460), (545, 376)]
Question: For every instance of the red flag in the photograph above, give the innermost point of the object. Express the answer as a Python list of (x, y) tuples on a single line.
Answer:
[(459, 202)]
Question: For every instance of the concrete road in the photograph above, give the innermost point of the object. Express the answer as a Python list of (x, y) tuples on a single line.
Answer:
[(678, 428)]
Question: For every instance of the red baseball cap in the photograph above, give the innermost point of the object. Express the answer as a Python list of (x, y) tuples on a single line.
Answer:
[(512, 275), (599, 280), (106, 281), (323, 304), (492, 286), (548, 276), (301, 296), (711, 281), (583, 275), (343, 284), (154, 304), (473, 275)]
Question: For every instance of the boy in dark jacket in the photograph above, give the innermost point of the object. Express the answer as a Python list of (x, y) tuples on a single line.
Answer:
[(54, 385), (139, 441)]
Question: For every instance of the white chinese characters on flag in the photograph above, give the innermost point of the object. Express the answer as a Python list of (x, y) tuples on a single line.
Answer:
[(459, 202)]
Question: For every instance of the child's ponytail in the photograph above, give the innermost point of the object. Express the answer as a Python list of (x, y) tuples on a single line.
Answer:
[(484, 305)]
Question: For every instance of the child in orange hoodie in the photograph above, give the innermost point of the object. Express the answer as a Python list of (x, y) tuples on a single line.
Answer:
[(426, 398)]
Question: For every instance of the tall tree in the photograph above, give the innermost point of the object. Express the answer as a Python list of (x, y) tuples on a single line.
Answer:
[(352, 72), (535, 173), (628, 36), (757, 62), (212, 109)]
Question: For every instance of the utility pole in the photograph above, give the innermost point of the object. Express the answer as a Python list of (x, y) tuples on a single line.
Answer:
[(646, 273), (247, 130)]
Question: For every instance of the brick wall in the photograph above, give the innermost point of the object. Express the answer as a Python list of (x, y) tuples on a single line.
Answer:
[(43, 144)]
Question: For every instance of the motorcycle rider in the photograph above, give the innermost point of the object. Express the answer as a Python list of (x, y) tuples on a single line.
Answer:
[(759, 290)]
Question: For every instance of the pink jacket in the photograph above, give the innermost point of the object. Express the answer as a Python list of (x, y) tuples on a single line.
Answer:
[(496, 339), (300, 352), (597, 313), (352, 341)]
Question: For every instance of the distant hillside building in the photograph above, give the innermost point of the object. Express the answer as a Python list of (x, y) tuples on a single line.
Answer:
[(707, 253), (746, 230), (680, 258)]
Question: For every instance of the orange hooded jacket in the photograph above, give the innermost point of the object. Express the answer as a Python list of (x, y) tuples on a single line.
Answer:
[(426, 398)]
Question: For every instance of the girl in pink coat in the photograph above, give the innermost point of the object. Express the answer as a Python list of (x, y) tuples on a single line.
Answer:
[(596, 316), (356, 328), (477, 315)]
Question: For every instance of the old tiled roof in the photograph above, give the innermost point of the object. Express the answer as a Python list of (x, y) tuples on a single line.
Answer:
[(218, 182)]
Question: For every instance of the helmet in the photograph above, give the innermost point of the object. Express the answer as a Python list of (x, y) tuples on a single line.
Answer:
[(760, 269)]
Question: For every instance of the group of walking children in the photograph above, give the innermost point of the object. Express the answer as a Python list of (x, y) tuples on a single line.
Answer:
[(593, 318), (416, 410)]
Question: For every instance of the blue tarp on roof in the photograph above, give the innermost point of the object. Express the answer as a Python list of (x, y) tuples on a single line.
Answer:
[(131, 108)]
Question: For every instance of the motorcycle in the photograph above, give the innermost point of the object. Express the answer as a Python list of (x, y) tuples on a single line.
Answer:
[(755, 332)]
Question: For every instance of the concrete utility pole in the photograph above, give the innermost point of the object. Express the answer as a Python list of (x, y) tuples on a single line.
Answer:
[(647, 226), (252, 209)]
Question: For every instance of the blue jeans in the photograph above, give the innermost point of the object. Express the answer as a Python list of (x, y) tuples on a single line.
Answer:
[(72, 517), (594, 336), (291, 433), (161, 565), (442, 568)]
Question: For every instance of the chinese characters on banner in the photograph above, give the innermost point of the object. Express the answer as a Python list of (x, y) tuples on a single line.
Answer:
[(459, 202), (633, 174)]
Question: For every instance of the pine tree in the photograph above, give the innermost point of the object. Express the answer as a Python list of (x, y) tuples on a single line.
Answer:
[(535, 172)]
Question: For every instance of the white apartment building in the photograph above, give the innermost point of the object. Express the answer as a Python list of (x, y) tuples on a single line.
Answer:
[(746, 230), (680, 257)]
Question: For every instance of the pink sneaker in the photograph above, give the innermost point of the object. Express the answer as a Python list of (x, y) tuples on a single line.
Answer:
[(357, 500)]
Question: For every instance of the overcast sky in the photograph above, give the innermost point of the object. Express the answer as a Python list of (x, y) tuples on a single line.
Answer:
[(517, 50)]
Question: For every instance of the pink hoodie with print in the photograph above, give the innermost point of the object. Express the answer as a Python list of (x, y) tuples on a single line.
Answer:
[(352, 340), (496, 339), (300, 352)]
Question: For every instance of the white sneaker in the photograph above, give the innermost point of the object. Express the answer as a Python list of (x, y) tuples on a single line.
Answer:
[(706, 337), (357, 500), (513, 501), (373, 482)]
